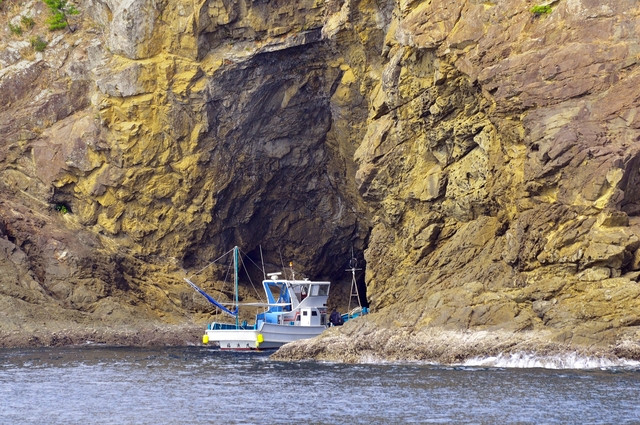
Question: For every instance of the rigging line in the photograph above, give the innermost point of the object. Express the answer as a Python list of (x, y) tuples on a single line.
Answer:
[(250, 281), (211, 263), (247, 272), (224, 282), (254, 263), (264, 273), (226, 276)]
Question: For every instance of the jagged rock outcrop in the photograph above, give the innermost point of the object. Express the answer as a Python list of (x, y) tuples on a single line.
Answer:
[(482, 157), (499, 161)]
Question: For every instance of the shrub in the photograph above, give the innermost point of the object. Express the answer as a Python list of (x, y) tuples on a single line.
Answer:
[(15, 29), (38, 43), (57, 21), (59, 11), (27, 21), (541, 9), (62, 208)]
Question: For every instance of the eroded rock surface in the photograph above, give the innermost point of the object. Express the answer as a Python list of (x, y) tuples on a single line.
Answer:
[(483, 159)]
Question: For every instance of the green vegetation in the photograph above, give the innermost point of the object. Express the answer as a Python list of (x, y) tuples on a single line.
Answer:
[(27, 21), (541, 9), (60, 9), (62, 208), (38, 43), (15, 29)]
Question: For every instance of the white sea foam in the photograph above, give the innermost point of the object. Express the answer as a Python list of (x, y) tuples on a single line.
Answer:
[(372, 359), (559, 361)]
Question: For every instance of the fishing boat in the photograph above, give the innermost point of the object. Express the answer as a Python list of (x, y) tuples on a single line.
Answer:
[(294, 309)]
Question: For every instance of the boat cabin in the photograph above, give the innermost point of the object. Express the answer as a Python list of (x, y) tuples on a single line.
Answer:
[(295, 302)]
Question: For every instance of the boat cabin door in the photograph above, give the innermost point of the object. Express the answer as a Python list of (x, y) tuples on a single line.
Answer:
[(309, 317)]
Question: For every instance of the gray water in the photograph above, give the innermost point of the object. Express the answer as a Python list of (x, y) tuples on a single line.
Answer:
[(199, 385)]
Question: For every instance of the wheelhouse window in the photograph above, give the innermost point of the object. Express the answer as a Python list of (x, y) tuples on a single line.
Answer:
[(319, 290)]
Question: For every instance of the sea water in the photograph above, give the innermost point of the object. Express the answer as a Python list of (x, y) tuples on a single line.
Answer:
[(199, 385)]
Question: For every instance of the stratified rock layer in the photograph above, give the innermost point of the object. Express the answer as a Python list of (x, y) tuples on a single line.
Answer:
[(481, 157)]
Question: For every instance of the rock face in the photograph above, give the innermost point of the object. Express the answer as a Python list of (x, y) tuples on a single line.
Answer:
[(482, 158)]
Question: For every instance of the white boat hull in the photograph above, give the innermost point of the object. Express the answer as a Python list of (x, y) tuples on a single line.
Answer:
[(273, 336)]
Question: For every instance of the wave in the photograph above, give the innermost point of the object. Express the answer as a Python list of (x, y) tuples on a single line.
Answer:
[(558, 361)]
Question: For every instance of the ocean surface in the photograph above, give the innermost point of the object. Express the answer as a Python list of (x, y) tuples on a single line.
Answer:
[(200, 385)]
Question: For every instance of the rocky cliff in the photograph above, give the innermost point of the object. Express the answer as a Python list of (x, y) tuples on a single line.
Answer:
[(482, 157)]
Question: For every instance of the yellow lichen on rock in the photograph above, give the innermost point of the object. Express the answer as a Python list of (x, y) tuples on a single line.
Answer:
[(482, 160)]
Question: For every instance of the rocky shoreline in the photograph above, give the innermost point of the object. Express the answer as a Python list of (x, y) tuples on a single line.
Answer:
[(367, 343), (356, 342), (141, 336)]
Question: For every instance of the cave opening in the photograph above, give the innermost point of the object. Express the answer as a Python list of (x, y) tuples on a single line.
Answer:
[(348, 286)]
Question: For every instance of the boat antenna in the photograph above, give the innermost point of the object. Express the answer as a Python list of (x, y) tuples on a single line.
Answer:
[(264, 274), (282, 262)]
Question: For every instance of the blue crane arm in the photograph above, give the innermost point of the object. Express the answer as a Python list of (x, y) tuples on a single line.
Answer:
[(212, 300)]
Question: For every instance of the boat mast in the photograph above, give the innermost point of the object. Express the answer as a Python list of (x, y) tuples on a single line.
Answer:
[(353, 266), (235, 267)]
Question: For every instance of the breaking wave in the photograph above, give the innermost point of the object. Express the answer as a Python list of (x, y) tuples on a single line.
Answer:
[(559, 361)]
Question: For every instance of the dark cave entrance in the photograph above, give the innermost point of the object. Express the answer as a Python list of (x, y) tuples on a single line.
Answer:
[(341, 278)]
